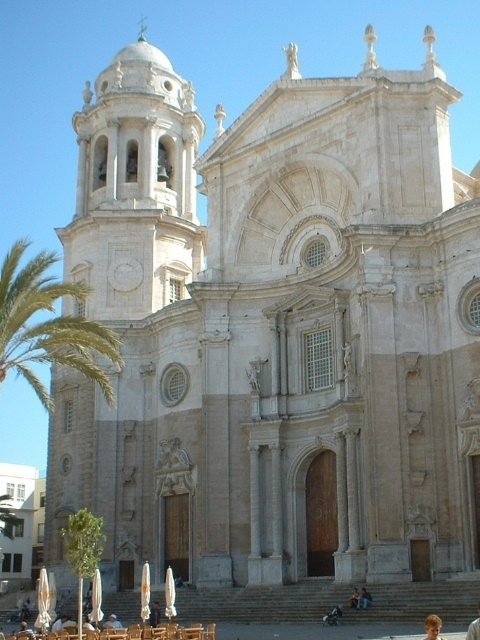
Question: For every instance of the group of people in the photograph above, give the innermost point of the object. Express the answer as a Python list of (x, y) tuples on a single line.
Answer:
[(361, 599), (64, 621)]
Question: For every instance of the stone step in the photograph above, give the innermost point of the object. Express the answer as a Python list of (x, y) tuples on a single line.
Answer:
[(455, 601)]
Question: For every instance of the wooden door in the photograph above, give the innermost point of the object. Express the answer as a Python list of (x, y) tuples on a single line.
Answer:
[(322, 519), (127, 575), (420, 558), (476, 502), (177, 535)]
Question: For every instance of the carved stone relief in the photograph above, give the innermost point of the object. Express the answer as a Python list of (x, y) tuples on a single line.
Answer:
[(175, 470)]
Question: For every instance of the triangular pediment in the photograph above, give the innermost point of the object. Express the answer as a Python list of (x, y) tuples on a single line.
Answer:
[(309, 297), (276, 111)]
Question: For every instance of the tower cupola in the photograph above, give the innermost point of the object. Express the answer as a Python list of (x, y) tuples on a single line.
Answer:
[(138, 136)]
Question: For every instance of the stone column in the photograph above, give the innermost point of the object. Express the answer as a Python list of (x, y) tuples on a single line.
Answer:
[(352, 490), (189, 140), (342, 501), (283, 355), (149, 159), (112, 166), (255, 549), (275, 367), (81, 176), (277, 512)]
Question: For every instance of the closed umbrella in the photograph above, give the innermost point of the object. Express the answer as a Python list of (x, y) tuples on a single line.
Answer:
[(145, 612), (43, 618), (52, 587), (170, 610), (96, 615)]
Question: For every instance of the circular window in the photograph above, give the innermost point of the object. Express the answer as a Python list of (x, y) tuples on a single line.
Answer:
[(168, 85), (174, 384), (315, 253), (469, 306), (474, 311)]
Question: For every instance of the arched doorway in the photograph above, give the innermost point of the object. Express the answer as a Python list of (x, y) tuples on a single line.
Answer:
[(321, 514)]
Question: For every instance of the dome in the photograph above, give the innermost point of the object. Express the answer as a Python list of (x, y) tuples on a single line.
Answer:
[(141, 51)]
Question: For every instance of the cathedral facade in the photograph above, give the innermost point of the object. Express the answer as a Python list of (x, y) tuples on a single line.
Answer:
[(300, 394)]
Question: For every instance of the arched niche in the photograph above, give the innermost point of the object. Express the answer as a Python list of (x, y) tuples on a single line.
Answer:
[(100, 163)]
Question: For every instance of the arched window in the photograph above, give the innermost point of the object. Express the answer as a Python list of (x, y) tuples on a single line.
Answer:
[(100, 158), (164, 166), (315, 253), (132, 162)]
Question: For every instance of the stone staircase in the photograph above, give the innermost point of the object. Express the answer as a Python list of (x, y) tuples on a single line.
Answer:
[(455, 600)]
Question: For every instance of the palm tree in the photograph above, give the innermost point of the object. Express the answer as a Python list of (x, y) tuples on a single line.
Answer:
[(73, 341)]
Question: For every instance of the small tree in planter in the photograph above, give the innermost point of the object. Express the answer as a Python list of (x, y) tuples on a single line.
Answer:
[(84, 538)]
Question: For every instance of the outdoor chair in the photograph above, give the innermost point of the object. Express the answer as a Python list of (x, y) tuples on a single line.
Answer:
[(191, 633), (209, 634)]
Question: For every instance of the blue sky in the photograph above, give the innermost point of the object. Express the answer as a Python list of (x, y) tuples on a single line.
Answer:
[(231, 51)]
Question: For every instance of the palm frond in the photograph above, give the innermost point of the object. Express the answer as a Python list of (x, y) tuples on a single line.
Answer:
[(64, 340), (9, 266), (37, 385)]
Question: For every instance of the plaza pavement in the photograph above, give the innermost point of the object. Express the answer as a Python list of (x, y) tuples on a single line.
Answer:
[(344, 631)]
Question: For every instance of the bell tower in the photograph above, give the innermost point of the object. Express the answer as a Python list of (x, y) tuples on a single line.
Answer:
[(135, 237)]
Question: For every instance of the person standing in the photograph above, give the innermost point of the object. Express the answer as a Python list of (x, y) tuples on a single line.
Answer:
[(155, 614), (473, 632)]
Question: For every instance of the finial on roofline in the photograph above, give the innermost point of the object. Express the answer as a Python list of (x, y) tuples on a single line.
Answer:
[(219, 116), (370, 37), (429, 38)]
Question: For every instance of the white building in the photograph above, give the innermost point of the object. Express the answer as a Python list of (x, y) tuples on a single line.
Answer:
[(27, 500), (308, 405)]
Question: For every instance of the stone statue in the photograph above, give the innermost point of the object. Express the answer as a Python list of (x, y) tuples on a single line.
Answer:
[(471, 403), (87, 94), (252, 375), (292, 57), (347, 357)]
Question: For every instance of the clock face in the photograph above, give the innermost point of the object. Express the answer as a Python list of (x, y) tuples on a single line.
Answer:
[(125, 274)]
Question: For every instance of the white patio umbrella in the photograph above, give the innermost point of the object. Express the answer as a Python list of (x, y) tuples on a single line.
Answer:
[(96, 614), (43, 618), (145, 612), (170, 610), (52, 587)]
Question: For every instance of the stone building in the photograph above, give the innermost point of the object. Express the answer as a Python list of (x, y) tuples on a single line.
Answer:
[(307, 401)]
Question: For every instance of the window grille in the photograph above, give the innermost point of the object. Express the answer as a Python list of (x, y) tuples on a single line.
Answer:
[(176, 385), (174, 290), (68, 416), (315, 254), (319, 360), (475, 310)]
